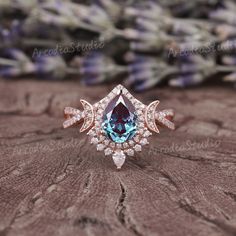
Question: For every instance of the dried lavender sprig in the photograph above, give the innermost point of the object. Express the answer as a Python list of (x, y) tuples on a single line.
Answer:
[(20, 64), (149, 42), (97, 68), (193, 79)]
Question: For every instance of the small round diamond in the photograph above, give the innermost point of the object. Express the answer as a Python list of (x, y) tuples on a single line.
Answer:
[(98, 118), (125, 145), (131, 143), (141, 125), (94, 141), (136, 138), (139, 112), (103, 105), (108, 151), (141, 119), (102, 138), (138, 148), (106, 142), (144, 141), (91, 133), (78, 117), (112, 145), (141, 131), (100, 147), (147, 134), (130, 152), (129, 96)]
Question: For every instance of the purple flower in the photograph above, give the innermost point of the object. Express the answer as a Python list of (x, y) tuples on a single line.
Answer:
[(187, 80), (111, 7), (150, 10), (11, 35), (145, 72), (224, 15), (193, 70), (15, 63), (53, 67), (225, 31), (97, 68), (229, 60)]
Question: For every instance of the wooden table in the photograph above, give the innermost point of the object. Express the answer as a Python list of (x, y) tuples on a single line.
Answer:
[(53, 182)]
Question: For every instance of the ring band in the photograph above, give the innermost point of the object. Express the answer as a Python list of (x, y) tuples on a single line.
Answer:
[(119, 124)]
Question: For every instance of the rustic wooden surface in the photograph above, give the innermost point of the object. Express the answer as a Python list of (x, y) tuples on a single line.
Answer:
[(52, 182)]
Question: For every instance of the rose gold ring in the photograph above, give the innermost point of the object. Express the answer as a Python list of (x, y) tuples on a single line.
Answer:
[(119, 124)]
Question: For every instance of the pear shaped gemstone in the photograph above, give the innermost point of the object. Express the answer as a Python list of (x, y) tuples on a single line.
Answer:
[(120, 119)]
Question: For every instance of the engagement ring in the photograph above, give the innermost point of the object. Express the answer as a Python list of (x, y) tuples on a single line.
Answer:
[(119, 124)]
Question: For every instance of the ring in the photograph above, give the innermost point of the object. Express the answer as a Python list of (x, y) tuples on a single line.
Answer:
[(119, 124)]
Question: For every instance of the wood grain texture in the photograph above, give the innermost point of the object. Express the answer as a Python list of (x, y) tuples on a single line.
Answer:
[(52, 182)]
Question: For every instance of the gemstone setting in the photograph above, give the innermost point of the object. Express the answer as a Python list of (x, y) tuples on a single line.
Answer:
[(119, 119), (119, 125)]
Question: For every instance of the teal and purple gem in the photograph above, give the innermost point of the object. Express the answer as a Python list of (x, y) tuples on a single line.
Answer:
[(120, 119)]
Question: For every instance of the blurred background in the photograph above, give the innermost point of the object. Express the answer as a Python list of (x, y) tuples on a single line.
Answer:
[(141, 44), (55, 52)]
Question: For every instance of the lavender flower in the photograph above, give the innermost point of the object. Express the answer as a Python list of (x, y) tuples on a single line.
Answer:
[(224, 15), (15, 63), (57, 13), (149, 32), (112, 9), (187, 80), (155, 29), (146, 72), (229, 60), (225, 31), (150, 10), (165, 38), (193, 71), (25, 6), (97, 68), (53, 67), (12, 35)]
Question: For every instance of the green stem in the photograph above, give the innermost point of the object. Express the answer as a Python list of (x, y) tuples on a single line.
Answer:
[(226, 68), (72, 71), (7, 62)]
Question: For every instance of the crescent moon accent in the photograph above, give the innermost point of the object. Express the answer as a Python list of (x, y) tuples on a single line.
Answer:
[(150, 116), (88, 115)]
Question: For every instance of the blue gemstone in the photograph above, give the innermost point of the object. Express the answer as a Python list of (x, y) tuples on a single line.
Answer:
[(119, 119)]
